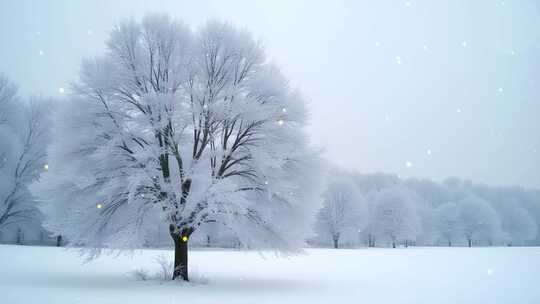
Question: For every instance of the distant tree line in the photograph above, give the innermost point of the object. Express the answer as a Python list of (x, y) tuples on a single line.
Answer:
[(387, 211)]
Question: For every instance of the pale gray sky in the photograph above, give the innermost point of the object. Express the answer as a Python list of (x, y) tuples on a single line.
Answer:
[(419, 88)]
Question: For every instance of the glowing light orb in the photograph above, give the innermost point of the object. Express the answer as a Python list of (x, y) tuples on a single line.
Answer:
[(61, 90), (280, 122), (46, 167), (184, 238), (284, 110), (99, 206), (408, 164)]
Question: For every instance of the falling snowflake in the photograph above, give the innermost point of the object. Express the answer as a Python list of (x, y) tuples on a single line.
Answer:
[(408, 164), (61, 90), (41, 52), (464, 44), (398, 59), (428, 152)]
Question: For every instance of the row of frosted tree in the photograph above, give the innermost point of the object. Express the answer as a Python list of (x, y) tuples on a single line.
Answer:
[(384, 210)]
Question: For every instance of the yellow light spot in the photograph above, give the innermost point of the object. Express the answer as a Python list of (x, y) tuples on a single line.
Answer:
[(99, 206), (46, 167), (184, 238)]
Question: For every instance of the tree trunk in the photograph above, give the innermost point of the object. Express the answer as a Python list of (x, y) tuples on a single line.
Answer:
[(19, 236), (180, 240), (394, 244), (59, 240), (470, 242), (180, 260), (406, 244), (336, 243), (449, 243)]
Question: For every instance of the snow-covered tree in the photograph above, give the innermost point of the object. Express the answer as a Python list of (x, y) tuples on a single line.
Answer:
[(23, 142), (447, 219), (519, 226), (344, 211), (478, 220), (180, 128), (394, 217)]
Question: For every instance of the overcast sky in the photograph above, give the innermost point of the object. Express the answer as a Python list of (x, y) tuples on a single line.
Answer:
[(428, 89)]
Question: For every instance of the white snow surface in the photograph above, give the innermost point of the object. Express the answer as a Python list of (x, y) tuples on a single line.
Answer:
[(402, 275)]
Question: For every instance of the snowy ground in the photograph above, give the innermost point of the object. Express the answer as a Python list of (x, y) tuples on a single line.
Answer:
[(413, 275)]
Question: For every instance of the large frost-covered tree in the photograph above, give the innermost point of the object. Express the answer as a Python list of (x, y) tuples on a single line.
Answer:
[(23, 142), (478, 220), (181, 128), (395, 217), (344, 210)]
